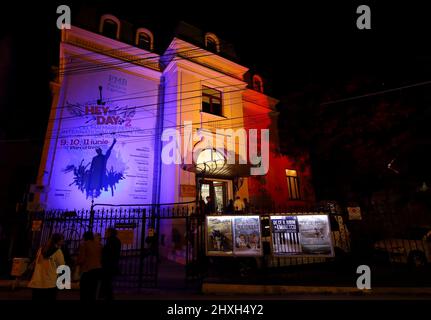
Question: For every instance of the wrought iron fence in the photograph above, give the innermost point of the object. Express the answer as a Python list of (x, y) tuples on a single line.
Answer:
[(143, 231), (139, 231)]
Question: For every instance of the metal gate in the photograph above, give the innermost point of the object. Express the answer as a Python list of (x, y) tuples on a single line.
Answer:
[(139, 232)]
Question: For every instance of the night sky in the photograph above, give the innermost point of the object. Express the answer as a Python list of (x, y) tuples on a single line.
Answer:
[(290, 45)]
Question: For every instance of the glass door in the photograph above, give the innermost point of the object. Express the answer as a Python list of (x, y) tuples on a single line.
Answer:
[(220, 192), (217, 190)]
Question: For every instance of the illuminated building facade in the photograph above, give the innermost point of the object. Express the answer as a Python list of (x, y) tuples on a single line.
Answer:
[(116, 102)]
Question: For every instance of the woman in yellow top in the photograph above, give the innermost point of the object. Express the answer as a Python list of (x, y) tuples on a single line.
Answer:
[(48, 259)]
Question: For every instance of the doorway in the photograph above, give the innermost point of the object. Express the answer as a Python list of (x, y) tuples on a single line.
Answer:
[(219, 190)]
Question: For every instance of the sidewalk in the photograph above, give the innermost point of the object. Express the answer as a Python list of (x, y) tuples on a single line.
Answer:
[(20, 291), (247, 289), (24, 284)]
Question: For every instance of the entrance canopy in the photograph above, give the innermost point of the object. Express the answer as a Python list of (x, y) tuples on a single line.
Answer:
[(213, 163)]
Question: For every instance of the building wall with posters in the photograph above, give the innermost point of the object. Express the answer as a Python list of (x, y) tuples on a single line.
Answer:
[(118, 108), (100, 140)]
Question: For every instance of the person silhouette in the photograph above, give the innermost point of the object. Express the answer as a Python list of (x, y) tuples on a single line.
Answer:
[(97, 177)]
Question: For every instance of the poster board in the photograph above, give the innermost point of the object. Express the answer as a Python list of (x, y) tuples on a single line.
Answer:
[(233, 236), (219, 238), (188, 190), (301, 235), (247, 235), (285, 235)]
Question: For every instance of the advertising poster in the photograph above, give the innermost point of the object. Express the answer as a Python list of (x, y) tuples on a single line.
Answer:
[(219, 236), (285, 235), (247, 236), (315, 235), (102, 141), (301, 235)]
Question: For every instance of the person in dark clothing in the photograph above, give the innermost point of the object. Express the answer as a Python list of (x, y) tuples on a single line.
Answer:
[(151, 241), (110, 262), (66, 254), (246, 206), (89, 260), (202, 207), (209, 207), (229, 207)]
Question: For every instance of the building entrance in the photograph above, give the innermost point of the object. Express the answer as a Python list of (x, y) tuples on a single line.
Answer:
[(219, 190)]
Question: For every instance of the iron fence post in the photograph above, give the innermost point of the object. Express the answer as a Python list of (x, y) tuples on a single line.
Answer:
[(188, 235), (157, 235), (142, 252), (91, 223)]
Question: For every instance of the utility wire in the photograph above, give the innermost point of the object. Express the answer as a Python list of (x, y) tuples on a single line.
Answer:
[(146, 129), (372, 94)]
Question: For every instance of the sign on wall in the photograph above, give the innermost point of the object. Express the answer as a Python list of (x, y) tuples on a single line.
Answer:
[(354, 213), (301, 235), (126, 236), (102, 142), (188, 190), (233, 236)]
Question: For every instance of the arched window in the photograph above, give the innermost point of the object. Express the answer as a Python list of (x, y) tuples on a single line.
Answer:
[(144, 39), (110, 26), (257, 83), (212, 43)]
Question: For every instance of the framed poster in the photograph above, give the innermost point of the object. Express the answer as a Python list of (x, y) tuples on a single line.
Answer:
[(247, 235), (233, 236), (315, 235), (301, 235), (285, 235), (219, 239)]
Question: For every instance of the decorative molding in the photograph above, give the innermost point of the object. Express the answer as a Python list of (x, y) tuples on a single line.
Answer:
[(146, 73), (187, 51), (81, 40)]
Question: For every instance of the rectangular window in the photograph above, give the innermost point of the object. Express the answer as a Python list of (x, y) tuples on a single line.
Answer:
[(211, 101), (293, 184)]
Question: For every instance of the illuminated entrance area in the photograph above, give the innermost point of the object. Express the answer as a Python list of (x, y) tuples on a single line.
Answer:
[(210, 161), (219, 190)]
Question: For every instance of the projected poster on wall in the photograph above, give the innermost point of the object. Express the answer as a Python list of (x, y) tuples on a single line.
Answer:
[(301, 235), (102, 142)]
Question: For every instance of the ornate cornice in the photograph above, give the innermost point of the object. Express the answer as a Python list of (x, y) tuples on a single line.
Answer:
[(190, 52), (112, 48)]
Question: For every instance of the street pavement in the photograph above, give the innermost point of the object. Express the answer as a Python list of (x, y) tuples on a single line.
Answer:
[(191, 295)]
